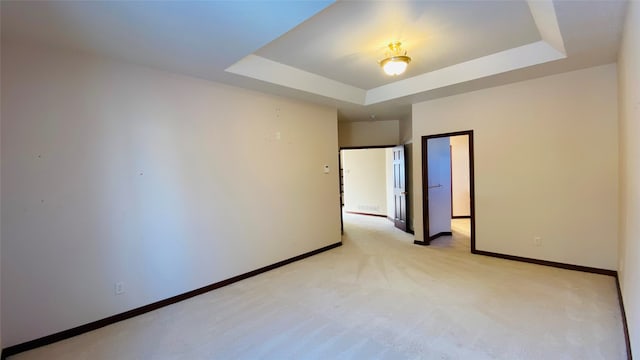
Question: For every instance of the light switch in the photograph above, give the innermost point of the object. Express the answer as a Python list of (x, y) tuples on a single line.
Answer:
[(326, 169)]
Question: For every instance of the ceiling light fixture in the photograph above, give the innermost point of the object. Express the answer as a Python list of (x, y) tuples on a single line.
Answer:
[(396, 62)]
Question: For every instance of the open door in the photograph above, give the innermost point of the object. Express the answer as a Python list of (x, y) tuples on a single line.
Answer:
[(399, 189), (438, 188)]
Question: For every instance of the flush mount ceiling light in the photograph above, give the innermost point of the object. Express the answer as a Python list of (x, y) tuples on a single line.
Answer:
[(396, 62)]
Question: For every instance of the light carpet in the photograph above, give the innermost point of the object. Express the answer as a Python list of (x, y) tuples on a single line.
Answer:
[(378, 297)]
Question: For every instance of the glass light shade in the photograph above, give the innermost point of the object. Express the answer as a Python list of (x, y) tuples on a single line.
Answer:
[(395, 67), (397, 60)]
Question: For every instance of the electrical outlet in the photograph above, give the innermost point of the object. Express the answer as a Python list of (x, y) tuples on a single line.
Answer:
[(537, 241), (118, 288)]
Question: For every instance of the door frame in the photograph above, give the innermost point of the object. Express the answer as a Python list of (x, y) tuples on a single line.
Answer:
[(405, 187), (340, 148), (425, 194)]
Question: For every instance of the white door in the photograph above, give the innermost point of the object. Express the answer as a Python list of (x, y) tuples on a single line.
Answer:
[(439, 186)]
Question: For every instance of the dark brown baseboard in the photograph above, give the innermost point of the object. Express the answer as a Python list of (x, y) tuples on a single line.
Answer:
[(361, 213), (427, 242), (547, 263), (366, 147), (625, 327), (588, 269), (65, 334), (461, 217), (46, 340), (442, 233)]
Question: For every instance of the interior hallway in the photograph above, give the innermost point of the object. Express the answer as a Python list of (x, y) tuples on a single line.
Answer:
[(378, 297)]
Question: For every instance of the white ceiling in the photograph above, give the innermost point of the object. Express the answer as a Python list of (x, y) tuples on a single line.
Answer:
[(345, 41), (327, 52)]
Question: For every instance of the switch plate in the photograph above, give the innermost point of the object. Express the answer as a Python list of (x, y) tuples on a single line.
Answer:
[(537, 241), (118, 288), (326, 169)]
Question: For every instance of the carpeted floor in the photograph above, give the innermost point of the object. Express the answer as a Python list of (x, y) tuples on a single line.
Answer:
[(378, 297)]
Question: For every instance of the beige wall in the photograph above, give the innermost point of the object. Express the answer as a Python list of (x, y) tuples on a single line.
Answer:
[(391, 211), (1, 338), (365, 181), (546, 164), (118, 173), (629, 102), (460, 190), (405, 131), (368, 133)]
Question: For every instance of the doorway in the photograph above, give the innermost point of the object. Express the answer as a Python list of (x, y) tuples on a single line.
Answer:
[(373, 181), (438, 202)]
